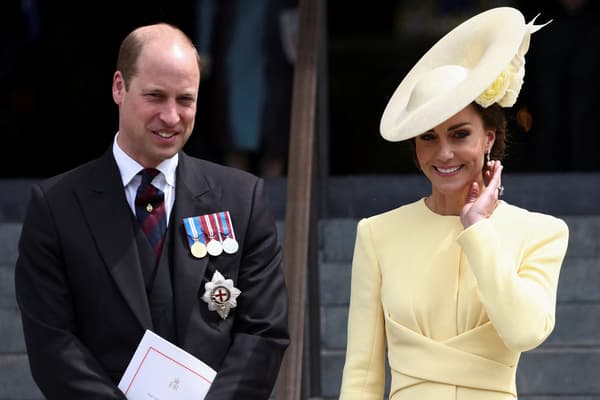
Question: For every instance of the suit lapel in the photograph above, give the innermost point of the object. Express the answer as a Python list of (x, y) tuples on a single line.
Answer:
[(194, 196), (105, 207)]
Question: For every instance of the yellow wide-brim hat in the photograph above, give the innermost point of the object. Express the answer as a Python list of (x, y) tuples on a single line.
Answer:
[(480, 60)]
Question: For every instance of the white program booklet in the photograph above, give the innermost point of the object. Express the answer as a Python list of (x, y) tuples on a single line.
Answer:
[(159, 370)]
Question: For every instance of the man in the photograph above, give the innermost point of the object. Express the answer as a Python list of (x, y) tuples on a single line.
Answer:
[(89, 278)]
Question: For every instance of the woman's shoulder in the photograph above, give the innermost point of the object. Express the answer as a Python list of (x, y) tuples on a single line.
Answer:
[(407, 210), (513, 214), (404, 212)]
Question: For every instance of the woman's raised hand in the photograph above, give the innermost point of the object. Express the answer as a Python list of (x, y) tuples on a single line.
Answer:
[(481, 204)]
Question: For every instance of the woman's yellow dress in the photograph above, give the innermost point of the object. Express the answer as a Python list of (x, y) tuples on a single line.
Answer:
[(454, 307)]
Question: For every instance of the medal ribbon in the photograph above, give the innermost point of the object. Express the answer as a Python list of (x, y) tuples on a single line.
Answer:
[(206, 224), (222, 225), (193, 233), (218, 229), (227, 225)]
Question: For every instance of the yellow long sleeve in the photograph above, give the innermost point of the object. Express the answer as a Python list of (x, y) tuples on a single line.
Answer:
[(363, 376), (518, 293)]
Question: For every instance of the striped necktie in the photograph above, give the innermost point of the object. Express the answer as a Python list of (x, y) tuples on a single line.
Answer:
[(150, 210)]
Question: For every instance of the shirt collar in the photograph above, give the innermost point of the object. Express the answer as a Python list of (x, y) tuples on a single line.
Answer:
[(129, 168)]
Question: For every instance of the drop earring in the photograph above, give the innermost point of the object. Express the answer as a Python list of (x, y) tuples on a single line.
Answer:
[(488, 156)]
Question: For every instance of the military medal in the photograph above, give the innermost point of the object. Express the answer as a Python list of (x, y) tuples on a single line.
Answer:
[(213, 246), (227, 245), (195, 237), (198, 249), (230, 245), (211, 234), (220, 294)]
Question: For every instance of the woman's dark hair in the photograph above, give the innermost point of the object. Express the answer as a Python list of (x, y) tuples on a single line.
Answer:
[(493, 118)]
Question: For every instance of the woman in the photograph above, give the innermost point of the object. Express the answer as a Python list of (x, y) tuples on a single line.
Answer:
[(457, 284)]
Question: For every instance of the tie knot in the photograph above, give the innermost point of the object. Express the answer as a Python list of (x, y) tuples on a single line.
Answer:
[(146, 191), (147, 175)]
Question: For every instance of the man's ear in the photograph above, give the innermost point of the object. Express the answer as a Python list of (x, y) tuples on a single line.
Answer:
[(118, 87)]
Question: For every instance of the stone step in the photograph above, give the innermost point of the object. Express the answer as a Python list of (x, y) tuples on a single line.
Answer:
[(11, 331), (9, 239), (16, 382)]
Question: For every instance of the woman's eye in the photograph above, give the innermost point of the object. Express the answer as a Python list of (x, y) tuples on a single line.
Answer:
[(427, 136), (461, 134)]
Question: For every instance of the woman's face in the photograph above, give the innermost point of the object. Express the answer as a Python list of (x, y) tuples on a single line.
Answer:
[(452, 154)]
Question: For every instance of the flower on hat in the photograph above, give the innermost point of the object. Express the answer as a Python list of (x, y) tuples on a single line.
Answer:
[(495, 91), (505, 88), (514, 87)]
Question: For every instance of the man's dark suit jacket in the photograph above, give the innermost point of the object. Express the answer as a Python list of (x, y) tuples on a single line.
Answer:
[(83, 300)]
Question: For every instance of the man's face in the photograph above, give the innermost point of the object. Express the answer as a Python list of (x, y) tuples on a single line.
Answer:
[(157, 112)]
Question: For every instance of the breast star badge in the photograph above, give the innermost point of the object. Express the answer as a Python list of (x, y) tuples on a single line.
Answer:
[(220, 294)]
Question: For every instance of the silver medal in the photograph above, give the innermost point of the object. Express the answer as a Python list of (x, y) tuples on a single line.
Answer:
[(230, 245), (214, 248)]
